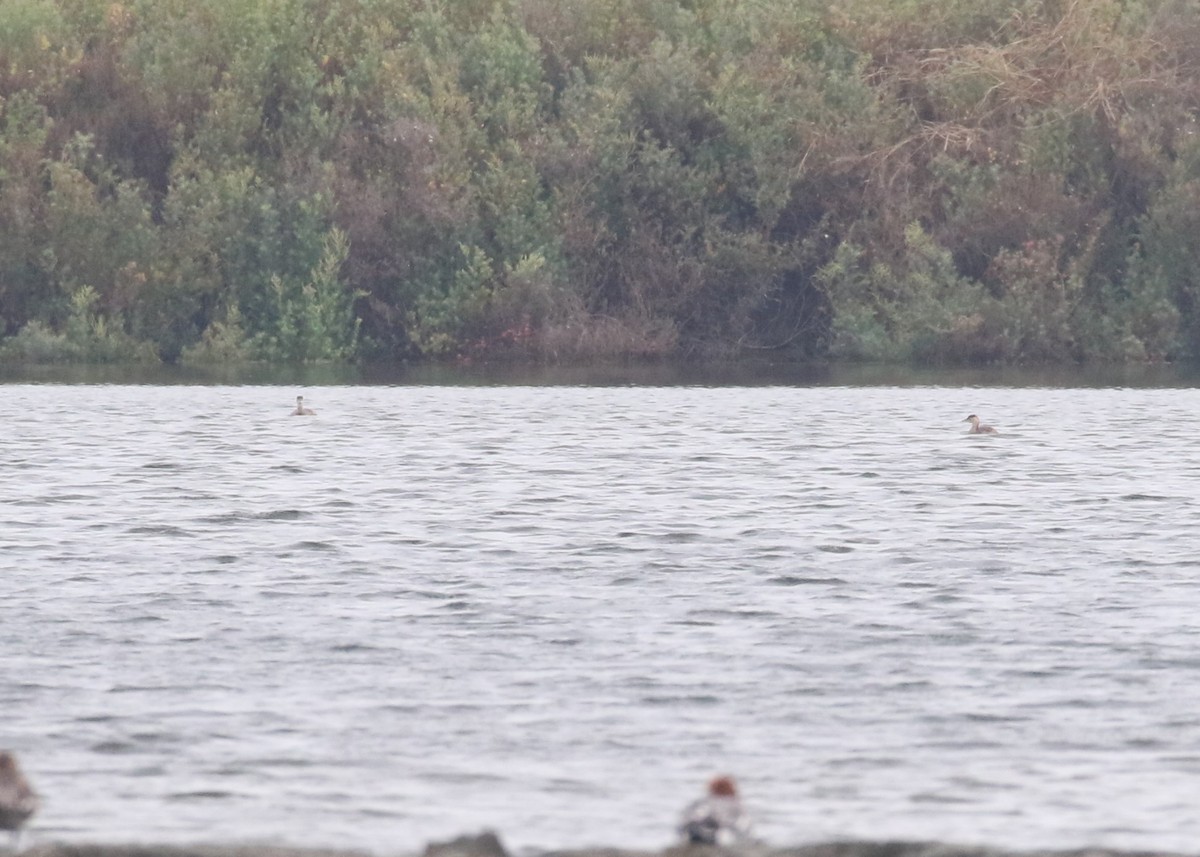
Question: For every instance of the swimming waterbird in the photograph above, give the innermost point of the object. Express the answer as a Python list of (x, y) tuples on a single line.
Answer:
[(977, 427)]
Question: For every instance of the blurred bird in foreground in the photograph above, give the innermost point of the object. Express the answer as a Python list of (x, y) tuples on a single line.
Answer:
[(18, 800), (716, 818)]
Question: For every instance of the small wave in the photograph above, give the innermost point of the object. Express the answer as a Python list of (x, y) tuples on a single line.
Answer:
[(277, 761), (747, 613), (681, 537), (314, 546), (280, 515), (201, 794), (940, 797), (225, 518), (463, 777), (344, 648), (797, 580), (139, 688), (912, 685), (1145, 743), (979, 717), (158, 530), (282, 593), (242, 517), (683, 699), (142, 618), (827, 548), (51, 499)]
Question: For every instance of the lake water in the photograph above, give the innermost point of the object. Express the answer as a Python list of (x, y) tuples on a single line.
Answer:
[(556, 611)]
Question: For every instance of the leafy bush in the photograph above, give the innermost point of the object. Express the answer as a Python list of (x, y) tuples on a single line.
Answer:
[(88, 337), (917, 308), (1034, 316), (314, 320), (964, 180), (223, 343)]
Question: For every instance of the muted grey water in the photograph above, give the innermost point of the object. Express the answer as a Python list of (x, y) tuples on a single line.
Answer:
[(556, 611)]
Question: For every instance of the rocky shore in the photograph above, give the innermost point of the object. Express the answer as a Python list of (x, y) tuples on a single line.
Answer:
[(489, 845)]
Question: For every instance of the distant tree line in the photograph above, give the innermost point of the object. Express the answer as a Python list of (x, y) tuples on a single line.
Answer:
[(325, 180)]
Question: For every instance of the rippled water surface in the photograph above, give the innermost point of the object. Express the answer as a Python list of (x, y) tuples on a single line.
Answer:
[(555, 611)]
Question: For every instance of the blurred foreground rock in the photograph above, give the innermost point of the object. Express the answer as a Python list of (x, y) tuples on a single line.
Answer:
[(855, 849), (489, 845), (64, 849), (486, 844)]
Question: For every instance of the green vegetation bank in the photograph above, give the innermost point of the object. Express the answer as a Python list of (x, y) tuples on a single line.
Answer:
[(327, 180)]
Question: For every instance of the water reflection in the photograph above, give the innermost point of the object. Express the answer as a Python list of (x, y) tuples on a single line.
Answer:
[(741, 373)]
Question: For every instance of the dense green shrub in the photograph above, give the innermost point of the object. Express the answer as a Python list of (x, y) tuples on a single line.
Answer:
[(329, 180), (916, 307), (88, 336)]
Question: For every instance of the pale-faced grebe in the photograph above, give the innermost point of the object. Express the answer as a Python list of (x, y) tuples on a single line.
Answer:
[(18, 800), (302, 411), (977, 427), (716, 818)]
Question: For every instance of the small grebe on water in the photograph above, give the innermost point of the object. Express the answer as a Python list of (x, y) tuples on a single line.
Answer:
[(18, 800), (977, 427), (715, 818), (302, 411)]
